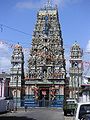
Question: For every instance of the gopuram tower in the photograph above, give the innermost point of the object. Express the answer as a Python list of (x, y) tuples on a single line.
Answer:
[(17, 75), (47, 71), (75, 71)]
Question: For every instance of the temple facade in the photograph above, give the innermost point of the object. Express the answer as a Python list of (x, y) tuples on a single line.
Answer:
[(45, 83)]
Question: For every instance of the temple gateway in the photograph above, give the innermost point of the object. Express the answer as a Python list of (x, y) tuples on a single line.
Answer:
[(47, 73), (45, 82)]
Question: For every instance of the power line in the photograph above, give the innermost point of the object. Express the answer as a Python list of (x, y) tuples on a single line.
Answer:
[(14, 29)]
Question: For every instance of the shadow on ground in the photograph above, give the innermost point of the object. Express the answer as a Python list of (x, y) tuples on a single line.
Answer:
[(15, 118)]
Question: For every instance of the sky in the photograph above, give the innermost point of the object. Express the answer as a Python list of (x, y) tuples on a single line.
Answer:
[(20, 15)]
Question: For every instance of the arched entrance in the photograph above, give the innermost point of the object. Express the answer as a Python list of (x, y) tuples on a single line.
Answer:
[(44, 96)]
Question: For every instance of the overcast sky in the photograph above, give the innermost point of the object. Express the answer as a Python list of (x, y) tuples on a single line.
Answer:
[(74, 17)]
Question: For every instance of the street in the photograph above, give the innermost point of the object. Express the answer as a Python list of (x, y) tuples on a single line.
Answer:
[(35, 114)]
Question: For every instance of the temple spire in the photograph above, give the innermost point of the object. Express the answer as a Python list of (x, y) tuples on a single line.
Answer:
[(49, 3)]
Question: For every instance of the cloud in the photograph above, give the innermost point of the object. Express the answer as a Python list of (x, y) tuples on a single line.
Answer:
[(36, 4), (5, 56), (3, 46), (5, 64), (57, 2), (64, 3), (29, 5), (88, 46), (4, 61), (4, 49)]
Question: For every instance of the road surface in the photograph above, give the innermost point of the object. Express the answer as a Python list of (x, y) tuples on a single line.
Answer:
[(35, 114)]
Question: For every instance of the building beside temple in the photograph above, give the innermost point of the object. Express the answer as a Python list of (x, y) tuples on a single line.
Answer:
[(17, 75), (85, 87), (4, 85), (75, 71), (45, 84)]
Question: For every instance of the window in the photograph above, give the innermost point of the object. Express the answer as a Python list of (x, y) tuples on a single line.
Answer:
[(83, 110)]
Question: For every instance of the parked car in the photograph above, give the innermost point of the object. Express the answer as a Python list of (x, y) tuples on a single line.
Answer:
[(3, 105), (6, 104), (69, 106), (83, 111), (86, 117)]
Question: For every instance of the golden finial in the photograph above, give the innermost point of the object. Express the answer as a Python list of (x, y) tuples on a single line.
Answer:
[(48, 3)]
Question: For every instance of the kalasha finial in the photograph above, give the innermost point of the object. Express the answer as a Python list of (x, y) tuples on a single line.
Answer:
[(49, 3)]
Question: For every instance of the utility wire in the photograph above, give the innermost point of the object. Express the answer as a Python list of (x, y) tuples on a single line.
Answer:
[(14, 29)]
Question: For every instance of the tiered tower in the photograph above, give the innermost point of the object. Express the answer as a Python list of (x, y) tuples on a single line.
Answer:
[(47, 63), (17, 74), (76, 70)]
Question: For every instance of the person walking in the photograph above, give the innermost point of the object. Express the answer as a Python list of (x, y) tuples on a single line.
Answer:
[(25, 108)]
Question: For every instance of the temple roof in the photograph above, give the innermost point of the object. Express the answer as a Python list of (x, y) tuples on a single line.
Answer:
[(75, 46), (48, 6), (17, 46)]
